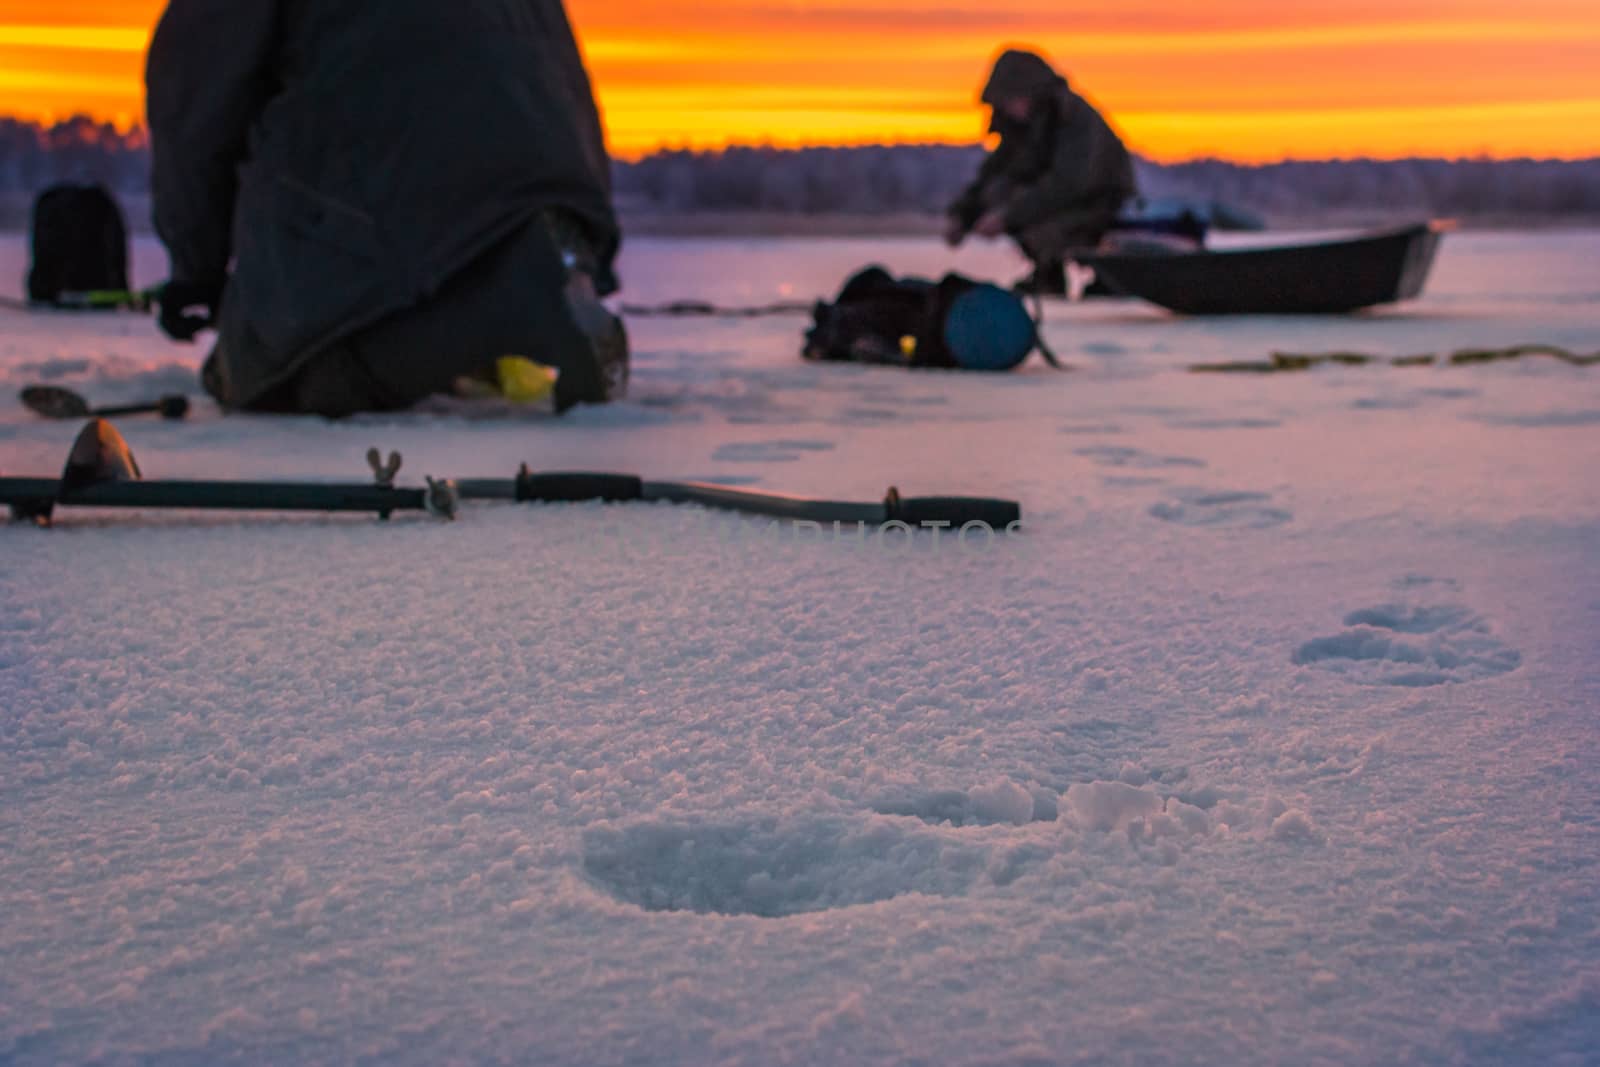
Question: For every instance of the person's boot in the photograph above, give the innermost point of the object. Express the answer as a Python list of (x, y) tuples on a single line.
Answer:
[(212, 379), (599, 377), (607, 379), (1047, 279)]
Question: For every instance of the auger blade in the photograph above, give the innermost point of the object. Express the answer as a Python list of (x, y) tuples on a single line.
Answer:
[(53, 402), (99, 457)]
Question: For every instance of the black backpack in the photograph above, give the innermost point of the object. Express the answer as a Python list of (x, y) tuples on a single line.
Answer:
[(80, 245), (956, 323)]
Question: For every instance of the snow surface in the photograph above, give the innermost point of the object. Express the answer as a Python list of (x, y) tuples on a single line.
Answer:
[(1271, 739)]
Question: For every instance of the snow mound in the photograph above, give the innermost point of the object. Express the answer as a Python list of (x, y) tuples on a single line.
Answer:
[(998, 803), (1295, 826), (1109, 806), (1406, 619), (1139, 812)]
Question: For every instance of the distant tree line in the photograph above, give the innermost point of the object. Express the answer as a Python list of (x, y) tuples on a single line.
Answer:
[(867, 180), (925, 178), (919, 179), (1463, 188), (80, 149)]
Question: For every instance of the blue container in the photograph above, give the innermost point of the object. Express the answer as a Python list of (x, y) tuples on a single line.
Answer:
[(988, 328)]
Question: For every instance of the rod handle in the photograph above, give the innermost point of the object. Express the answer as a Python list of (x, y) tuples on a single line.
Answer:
[(958, 511), (571, 488)]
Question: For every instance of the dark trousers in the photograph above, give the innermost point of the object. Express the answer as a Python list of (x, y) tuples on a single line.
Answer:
[(1078, 229), (499, 305), (1077, 226)]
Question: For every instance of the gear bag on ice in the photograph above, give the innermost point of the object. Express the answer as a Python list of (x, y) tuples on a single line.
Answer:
[(80, 246), (955, 323)]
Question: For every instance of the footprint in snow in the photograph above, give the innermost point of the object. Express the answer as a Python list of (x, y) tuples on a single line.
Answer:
[(857, 416), (1412, 645), (768, 451), (1092, 429), (1123, 456), (1423, 581), (1408, 400), (1544, 419), (1224, 424), (891, 398), (777, 866), (1221, 509)]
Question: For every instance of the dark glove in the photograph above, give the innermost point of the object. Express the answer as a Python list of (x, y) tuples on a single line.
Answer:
[(188, 307), (955, 231)]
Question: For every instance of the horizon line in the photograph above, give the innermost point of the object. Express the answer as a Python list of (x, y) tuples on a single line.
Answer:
[(667, 147)]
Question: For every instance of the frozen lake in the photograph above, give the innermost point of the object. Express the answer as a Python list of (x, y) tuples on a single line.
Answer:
[(1271, 739)]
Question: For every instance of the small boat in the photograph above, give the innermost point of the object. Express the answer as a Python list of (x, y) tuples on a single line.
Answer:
[(1321, 278)]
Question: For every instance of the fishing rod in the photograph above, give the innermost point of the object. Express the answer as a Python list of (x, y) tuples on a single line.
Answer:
[(101, 472), (145, 300), (956, 512), (704, 309), (140, 300)]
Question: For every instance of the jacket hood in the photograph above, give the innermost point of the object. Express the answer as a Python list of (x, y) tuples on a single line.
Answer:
[(1020, 73)]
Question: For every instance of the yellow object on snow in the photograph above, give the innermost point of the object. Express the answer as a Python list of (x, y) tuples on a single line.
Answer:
[(522, 381)]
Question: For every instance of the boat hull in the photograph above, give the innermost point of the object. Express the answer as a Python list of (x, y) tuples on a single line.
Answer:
[(1322, 278)]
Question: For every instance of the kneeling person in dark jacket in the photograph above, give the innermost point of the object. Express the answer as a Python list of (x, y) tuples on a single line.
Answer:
[(373, 202), (1056, 180)]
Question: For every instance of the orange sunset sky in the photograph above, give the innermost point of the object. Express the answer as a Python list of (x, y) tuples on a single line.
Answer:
[(1250, 80)]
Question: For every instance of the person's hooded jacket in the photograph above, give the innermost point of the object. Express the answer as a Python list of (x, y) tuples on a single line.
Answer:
[(345, 158), (1065, 155)]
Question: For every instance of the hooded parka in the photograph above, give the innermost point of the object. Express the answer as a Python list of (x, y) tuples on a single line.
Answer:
[(345, 164)]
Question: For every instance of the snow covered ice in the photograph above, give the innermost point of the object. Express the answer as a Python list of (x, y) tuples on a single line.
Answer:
[(1270, 740)]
